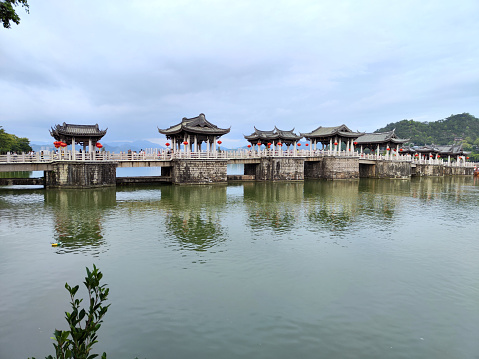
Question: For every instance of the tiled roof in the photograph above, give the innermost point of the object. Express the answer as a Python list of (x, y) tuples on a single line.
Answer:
[(197, 125), (71, 130), (380, 137), (276, 134)]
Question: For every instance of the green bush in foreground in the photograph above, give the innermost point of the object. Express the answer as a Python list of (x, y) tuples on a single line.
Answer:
[(77, 342)]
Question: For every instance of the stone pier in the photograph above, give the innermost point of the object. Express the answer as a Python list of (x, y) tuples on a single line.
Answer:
[(385, 169), (75, 174), (192, 171), (277, 169), (333, 168)]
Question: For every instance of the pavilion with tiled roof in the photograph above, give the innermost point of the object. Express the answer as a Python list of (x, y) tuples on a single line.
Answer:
[(192, 132), (275, 137), (333, 136), (85, 135), (433, 151), (385, 140)]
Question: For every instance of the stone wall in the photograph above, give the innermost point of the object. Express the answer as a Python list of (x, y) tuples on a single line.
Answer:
[(280, 169), (339, 168), (313, 169), (428, 170), (198, 171), (69, 174), (459, 171), (392, 169)]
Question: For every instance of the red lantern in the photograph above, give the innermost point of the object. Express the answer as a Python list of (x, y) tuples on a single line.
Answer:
[(99, 145), (249, 146), (355, 143), (335, 143), (259, 143), (219, 142), (299, 144), (63, 144), (185, 143), (167, 144), (430, 155), (280, 144), (467, 158), (394, 150), (306, 144), (269, 143), (416, 155), (387, 149), (400, 150)]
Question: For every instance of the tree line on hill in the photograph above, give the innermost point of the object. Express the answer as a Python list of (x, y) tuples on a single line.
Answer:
[(12, 143), (456, 129)]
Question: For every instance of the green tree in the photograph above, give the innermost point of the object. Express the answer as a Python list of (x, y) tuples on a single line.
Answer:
[(12, 143), (8, 13), (77, 342)]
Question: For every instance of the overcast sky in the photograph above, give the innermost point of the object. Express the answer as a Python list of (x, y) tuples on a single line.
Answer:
[(133, 66)]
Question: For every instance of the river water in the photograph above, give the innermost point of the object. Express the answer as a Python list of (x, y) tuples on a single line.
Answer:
[(320, 269)]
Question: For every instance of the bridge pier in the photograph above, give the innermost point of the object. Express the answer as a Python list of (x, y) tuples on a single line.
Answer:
[(333, 168), (277, 169), (385, 169), (76, 174), (193, 171)]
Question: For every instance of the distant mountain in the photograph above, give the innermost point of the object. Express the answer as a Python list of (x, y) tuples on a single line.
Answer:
[(462, 128)]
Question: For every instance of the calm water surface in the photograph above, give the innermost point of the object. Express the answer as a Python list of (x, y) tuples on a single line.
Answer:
[(338, 269)]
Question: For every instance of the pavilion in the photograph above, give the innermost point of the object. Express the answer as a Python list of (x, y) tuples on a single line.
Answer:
[(274, 137), (84, 135), (192, 132), (375, 141), (333, 136)]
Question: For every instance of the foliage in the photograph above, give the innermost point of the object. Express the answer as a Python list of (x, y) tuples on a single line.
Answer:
[(12, 143), (461, 128), (8, 13), (78, 341)]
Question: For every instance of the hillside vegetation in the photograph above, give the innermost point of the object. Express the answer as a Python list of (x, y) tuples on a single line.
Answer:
[(12, 143), (462, 128)]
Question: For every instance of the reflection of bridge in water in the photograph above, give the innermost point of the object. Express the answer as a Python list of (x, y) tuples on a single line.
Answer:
[(67, 169)]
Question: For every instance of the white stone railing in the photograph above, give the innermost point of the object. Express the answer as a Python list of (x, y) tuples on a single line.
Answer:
[(167, 155)]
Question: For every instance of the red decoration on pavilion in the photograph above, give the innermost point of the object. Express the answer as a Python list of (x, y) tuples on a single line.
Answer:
[(307, 144), (167, 144), (400, 150), (280, 144), (355, 143), (467, 158), (249, 146), (56, 144), (219, 142), (299, 144), (387, 149), (438, 156), (63, 144), (259, 143), (335, 143), (269, 144), (98, 145), (430, 155), (394, 149), (185, 143)]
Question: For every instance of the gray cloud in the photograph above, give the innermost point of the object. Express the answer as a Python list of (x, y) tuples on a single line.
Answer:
[(133, 66)]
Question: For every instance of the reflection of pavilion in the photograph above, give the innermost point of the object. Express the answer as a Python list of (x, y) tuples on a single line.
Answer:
[(195, 216), (78, 217), (269, 205)]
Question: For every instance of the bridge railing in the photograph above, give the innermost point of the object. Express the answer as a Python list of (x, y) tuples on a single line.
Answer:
[(167, 155)]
